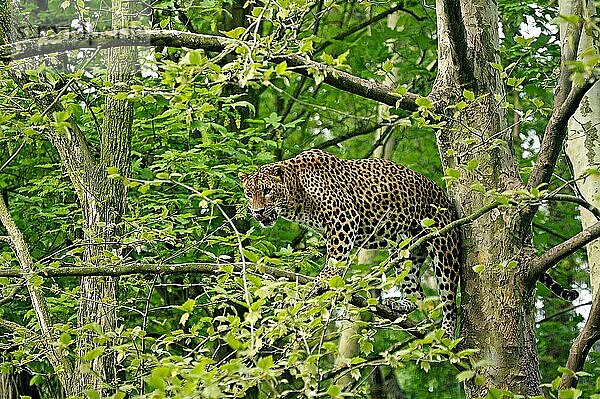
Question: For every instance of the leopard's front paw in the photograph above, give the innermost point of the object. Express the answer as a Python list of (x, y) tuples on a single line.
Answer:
[(400, 305)]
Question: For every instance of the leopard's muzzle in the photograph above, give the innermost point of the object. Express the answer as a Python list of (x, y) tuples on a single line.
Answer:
[(266, 219)]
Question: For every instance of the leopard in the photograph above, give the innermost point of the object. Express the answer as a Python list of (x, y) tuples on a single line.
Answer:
[(369, 203)]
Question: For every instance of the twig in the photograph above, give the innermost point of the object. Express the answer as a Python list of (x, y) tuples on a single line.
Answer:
[(363, 25), (13, 293)]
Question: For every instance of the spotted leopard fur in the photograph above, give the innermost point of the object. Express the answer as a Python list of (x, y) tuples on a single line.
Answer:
[(364, 203)]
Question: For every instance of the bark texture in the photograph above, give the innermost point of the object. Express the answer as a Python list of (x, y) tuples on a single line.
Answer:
[(103, 210), (583, 143), (583, 149), (497, 314)]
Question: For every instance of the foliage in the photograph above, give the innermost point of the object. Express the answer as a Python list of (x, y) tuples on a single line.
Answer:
[(200, 118)]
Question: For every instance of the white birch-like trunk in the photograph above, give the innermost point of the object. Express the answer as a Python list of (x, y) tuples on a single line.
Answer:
[(583, 146)]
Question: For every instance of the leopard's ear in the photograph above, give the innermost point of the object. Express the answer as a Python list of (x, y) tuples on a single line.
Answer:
[(242, 176), (277, 173)]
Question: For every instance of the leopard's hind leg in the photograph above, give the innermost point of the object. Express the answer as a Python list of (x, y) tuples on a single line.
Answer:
[(444, 251), (411, 284)]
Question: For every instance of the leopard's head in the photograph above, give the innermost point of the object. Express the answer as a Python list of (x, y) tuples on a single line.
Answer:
[(266, 193)]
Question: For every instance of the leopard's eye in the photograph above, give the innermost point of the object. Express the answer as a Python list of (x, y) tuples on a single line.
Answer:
[(267, 191)]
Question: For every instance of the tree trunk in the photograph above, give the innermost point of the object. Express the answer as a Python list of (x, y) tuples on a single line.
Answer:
[(497, 303), (583, 146), (103, 209), (583, 150), (102, 200)]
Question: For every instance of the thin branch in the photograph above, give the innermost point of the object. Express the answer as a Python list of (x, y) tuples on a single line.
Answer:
[(204, 268), (347, 136), (13, 156), (542, 263), (567, 310), (459, 222), (576, 200), (365, 24), (589, 335), (171, 38), (545, 229), (13, 293)]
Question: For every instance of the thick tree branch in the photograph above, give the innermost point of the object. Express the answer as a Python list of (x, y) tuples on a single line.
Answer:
[(10, 325), (589, 335), (554, 135), (349, 83), (576, 200), (542, 263), (130, 37)]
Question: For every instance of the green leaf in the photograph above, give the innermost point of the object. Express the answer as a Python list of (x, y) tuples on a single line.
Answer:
[(235, 33), (36, 380), (571, 393), (465, 375), (61, 116), (336, 282), (334, 391), (93, 354), (472, 165), (36, 280), (92, 394), (564, 370), (478, 268), (451, 172), (424, 102), (366, 347), (468, 95), (281, 67), (387, 66), (265, 363), (165, 22), (112, 170), (187, 306), (427, 222)]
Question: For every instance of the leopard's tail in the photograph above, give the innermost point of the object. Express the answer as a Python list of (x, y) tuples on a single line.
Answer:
[(557, 289)]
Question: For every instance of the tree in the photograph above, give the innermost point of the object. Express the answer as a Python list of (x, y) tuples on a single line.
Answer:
[(287, 353)]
